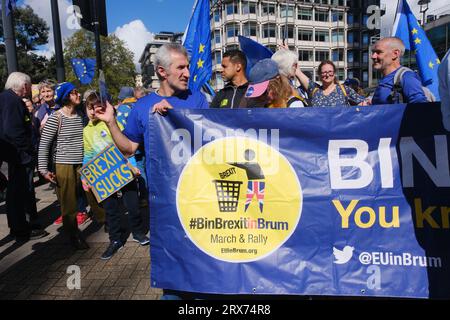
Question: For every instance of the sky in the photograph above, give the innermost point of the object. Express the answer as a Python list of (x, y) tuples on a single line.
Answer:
[(133, 21), (136, 21), (436, 7)]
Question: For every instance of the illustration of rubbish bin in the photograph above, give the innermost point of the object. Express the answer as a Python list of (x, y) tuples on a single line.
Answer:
[(228, 195)]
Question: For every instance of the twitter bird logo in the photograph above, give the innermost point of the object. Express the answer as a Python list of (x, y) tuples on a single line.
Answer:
[(343, 256)]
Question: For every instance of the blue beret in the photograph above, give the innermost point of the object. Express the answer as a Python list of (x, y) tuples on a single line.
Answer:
[(62, 91)]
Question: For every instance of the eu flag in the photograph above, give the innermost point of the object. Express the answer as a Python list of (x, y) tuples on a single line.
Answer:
[(198, 44), (413, 36), (10, 6), (84, 69), (254, 51)]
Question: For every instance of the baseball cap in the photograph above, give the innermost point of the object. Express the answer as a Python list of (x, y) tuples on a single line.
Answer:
[(260, 75), (126, 92)]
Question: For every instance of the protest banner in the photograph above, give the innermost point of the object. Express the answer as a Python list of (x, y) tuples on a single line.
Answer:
[(308, 201), (107, 173)]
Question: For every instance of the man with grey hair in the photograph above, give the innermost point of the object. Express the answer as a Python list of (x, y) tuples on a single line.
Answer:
[(17, 150), (172, 68), (386, 55)]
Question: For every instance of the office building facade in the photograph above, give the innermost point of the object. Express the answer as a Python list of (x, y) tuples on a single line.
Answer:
[(316, 30)]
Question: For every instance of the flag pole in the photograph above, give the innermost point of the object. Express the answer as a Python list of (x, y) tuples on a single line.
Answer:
[(10, 39), (397, 17), (96, 23), (60, 72), (286, 25)]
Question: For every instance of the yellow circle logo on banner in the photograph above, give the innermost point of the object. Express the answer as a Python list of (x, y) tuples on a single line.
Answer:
[(239, 199)]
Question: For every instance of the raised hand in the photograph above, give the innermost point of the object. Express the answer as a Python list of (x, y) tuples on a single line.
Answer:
[(162, 107), (105, 113)]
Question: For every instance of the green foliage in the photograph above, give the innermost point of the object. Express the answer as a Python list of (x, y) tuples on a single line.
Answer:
[(30, 31), (118, 63)]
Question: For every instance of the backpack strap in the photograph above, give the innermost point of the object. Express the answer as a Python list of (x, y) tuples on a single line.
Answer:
[(398, 77), (292, 100), (397, 89), (343, 89), (314, 92), (59, 116)]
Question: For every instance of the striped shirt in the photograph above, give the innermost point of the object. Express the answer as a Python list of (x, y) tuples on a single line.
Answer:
[(69, 145)]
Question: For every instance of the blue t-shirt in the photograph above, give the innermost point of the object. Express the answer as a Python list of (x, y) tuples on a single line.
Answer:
[(138, 120), (411, 86)]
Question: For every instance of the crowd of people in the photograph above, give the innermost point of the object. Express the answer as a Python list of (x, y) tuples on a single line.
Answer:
[(53, 132)]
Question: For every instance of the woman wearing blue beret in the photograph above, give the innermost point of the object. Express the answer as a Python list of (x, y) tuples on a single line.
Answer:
[(66, 128)]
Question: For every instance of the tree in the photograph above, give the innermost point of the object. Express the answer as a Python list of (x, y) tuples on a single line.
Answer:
[(118, 63), (31, 31)]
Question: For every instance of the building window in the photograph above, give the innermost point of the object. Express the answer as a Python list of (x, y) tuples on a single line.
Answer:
[(350, 74), (320, 1), (365, 57), (219, 80), (337, 36), (350, 38), (322, 55), (337, 16), (290, 12), (365, 39), (232, 30), (290, 32), (338, 3), (304, 14), (217, 39), (365, 76), (305, 55), (308, 73), (350, 56), (321, 16), (365, 18), (268, 9), (232, 47), (232, 8), (250, 29), (349, 18), (269, 30), (218, 57), (341, 75), (305, 35), (248, 7), (216, 16), (322, 36), (272, 48), (338, 55)]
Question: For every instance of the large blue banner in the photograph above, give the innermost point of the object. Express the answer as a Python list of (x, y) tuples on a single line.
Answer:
[(308, 201)]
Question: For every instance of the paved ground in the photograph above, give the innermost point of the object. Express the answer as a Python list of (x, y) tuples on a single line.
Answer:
[(41, 269)]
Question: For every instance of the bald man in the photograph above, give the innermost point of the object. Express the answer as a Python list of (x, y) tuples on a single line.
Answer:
[(386, 55)]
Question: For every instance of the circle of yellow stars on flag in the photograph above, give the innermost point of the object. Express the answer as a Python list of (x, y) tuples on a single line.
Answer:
[(417, 41)]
